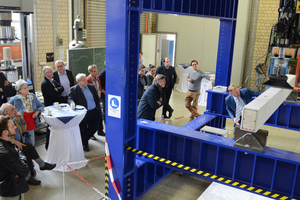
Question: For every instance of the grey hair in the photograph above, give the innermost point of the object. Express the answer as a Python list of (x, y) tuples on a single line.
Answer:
[(19, 84), (141, 66), (91, 67), (3, 109), (59, 61), (45, 69), (79, 76), (158, 78)]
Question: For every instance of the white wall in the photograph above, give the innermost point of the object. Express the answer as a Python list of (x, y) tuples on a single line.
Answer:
[(197, 38)]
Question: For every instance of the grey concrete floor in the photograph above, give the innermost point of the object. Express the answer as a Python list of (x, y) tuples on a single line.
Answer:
[(173, 187)]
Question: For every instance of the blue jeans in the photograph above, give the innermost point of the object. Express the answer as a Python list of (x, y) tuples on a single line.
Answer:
[(29, 138)]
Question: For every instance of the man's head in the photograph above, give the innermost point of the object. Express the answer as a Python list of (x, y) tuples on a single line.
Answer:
[(141, 54), (234, 90), (142, 70), (81, 80), (93, 70), (9, 110), (152, 70), (60, 66), (48, 72), (160, 80), (7, 127), (167, 62), (194, 65)]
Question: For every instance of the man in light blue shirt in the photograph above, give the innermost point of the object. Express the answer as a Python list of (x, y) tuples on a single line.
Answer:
[(194, 82), (86, 95)]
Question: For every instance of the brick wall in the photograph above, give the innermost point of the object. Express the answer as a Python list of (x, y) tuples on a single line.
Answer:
[(267, 17), (45, 33)]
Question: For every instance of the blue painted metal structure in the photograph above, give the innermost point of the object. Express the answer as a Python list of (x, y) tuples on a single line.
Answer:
[(207, 152)]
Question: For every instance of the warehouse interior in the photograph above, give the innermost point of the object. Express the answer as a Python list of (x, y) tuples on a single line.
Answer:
[(107, 27)]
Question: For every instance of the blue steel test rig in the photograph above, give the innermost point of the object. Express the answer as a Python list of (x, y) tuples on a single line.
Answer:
[(273, 171)]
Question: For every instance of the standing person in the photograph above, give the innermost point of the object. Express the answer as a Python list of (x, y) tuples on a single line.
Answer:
[(95, 80), (51, 89), (29, 151), (237, 100), (3, 83), (194, 83), (151, 75), (171, 77), (13, 169), (141, 58), (152, 99), (65, 78), (29, 106), (142, 82), (86, 95), (102, 82)]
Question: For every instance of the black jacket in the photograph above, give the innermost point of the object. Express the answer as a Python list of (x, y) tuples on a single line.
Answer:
[(49, 93), (102, 78), (148, 103), (10, 166), (149, 79), (69, 74), (76, 96), (162, 70), (141, 87)]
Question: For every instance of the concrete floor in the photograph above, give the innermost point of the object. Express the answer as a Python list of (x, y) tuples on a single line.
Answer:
[(173, 187)]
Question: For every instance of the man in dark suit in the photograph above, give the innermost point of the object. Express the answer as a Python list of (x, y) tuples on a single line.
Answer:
[(86, 95), (171, 77), (102, 82), (142, 82), (51, 92), (237, 100), (50, 88), (65, 78)]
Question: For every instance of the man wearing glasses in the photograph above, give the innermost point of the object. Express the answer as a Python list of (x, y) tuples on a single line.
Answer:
[(193, 93), (65, 78)]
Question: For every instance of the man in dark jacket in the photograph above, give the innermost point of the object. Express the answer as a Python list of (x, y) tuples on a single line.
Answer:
[(13, 170), (50, 88), (102, 82), (171, 77), (86, 95), (152, 100), (65, 78), (142, 82)]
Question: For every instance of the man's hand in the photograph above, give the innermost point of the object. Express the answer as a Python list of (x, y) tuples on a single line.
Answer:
[(190, 80), (56, 89), (160, 99), (159, 103), (103, 91), (35, 114), (19, 144), (212, 78), (6, 83), (19, 115), (235, 121)]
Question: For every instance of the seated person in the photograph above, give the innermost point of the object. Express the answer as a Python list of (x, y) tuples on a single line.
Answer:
[(27, 148)]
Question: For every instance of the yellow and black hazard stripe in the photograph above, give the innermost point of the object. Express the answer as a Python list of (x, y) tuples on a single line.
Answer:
[(209, 175), (106, 178)]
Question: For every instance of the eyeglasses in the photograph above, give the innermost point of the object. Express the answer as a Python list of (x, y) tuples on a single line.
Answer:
[(194, 64), (59, 66), (95, 71)]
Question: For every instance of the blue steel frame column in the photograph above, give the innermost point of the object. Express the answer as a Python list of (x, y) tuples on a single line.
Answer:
[(122, 49)]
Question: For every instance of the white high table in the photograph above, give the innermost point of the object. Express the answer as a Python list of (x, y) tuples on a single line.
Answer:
[(65, 140)]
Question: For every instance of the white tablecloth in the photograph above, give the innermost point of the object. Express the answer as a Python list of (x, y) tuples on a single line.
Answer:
[(65, 140), (183, 83), (205, 85)]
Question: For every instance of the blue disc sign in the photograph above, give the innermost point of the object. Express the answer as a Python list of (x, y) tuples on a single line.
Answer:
[(114, 103)]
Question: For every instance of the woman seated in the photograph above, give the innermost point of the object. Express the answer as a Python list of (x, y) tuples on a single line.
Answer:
[(29, 106)]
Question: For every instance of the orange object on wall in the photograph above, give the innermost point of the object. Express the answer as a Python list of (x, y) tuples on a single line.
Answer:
[(15, 51)]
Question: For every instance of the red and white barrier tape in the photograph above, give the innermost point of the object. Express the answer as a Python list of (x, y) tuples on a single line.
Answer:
[(110, 171)]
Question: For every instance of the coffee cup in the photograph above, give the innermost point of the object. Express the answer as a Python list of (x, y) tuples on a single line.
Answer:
[(73, 106), (47, 111)]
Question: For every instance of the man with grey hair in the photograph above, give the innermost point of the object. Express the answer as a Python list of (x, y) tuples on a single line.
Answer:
[(65, 78), (51, 92), (152, 99), (86, 95)]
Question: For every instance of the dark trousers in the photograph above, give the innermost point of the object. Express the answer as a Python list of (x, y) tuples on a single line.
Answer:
[(63, 99), (30, 153), (166, 94), (47, 137), (103, 104), (89, 125), (100, 128)]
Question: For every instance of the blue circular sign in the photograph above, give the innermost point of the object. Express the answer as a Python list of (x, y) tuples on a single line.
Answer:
[(114, 103)]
